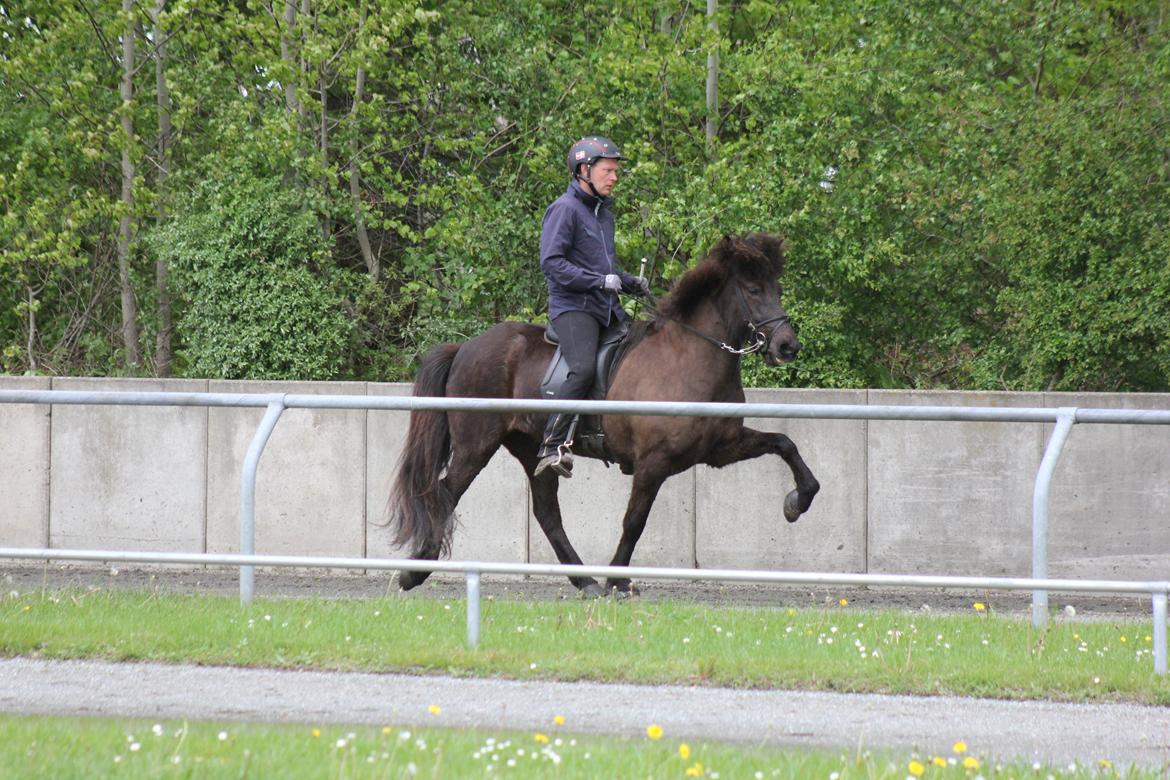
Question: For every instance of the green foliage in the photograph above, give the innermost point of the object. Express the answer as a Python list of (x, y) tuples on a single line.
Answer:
[(974, 196), (261, 299)]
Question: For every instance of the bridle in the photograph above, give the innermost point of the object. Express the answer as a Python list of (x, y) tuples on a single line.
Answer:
[(760, 339)]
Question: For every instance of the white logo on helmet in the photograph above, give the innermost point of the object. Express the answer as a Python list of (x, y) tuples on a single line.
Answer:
[(580, 155)]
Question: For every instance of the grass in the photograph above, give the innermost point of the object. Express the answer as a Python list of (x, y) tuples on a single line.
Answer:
[(843, 649), (64, 748)]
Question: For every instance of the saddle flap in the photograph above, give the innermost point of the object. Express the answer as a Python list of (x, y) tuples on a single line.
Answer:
[(607, 351)]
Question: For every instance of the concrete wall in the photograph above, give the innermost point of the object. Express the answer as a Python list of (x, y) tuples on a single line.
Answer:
[(896, 497)]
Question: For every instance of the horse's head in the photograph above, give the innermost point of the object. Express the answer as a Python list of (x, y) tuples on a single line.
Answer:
[(740, 277), (753, 265)]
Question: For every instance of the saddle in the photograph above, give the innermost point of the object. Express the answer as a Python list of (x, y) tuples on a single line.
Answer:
[(586, 434)]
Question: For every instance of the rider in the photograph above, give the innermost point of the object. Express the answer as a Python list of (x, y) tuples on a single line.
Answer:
[(577, 256)]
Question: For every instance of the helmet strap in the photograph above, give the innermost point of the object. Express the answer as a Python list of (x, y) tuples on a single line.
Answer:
[(577, 175)]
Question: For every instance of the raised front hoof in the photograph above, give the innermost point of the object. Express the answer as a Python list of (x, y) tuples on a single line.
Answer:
[(408, 580), (792, 511), (622, 589), (591, 591)]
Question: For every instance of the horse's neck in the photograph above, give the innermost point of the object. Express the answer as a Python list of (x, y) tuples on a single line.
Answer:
[(722, 368)]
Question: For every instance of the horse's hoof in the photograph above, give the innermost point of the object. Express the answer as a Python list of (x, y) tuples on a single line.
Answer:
[(791, 512), (620, 593), (592, 591)]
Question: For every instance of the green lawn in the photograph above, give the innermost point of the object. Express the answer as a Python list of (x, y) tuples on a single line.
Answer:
[(65, 748), (844, 649)]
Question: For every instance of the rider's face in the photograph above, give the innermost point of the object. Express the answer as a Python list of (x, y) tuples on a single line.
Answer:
[(603, 174)]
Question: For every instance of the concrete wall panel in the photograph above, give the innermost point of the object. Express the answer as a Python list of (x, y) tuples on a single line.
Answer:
[(24, 467), (952, 497), (126, 477), (491, 518), (1109, 512), (739, 511), (311, 481)]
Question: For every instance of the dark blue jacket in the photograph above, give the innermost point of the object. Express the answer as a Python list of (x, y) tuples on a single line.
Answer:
[(576, 252)]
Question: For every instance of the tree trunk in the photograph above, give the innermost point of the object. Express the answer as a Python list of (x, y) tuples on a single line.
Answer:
[(129, 305), (373, 262), (712, 78), (32, 329), (286, 53), (163, 352)]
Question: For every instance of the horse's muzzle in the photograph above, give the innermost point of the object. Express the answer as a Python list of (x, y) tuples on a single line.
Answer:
[(782, 352)]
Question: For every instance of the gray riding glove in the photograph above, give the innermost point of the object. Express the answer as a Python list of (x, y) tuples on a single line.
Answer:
[(612, 282)]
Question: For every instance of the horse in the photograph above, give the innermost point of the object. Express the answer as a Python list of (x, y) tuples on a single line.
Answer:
[(690, 349)]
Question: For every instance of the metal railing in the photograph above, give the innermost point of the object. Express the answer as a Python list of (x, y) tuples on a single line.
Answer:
[(473, 570), (274, 405)]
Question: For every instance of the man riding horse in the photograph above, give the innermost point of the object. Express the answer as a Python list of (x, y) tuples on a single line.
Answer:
[(578, 257)]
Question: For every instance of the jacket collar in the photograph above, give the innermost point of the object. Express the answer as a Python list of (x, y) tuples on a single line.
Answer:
[(592, 201)]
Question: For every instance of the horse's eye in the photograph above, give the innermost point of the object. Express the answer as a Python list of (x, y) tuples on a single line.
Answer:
[(755, 289)]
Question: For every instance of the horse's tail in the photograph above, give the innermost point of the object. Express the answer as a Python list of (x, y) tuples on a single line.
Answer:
[(420, 506)]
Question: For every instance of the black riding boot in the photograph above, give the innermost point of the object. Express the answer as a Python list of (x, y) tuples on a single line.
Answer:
[(554, 451)]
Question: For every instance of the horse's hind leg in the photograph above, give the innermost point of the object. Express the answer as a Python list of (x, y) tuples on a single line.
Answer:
[(467, 460), (547, 510)]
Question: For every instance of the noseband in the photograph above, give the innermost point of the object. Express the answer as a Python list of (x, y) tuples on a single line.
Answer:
[(761, 341)]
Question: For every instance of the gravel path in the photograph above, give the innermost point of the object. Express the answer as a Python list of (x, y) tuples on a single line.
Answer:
[(1054, 734)]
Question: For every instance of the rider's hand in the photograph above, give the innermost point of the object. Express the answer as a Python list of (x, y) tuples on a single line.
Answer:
[(640, 286), (612, 282)]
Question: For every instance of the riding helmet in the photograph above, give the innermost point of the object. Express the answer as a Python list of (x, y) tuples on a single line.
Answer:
[(591, 149)]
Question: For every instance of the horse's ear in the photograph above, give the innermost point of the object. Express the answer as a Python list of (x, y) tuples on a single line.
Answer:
[(772, 247)]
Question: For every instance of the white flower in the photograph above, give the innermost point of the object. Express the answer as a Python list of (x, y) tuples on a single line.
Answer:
[(157, 729), (223, 735)]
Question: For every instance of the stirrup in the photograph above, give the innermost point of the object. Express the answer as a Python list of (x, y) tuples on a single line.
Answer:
[(561, 462)]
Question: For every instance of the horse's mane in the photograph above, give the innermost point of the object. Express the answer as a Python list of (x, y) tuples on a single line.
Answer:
[(756, 255)]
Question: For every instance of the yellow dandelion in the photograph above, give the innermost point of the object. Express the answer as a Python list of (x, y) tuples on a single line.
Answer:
[(939, 761), (843, 602), (979, 606), (654, 731), (559, 720), (1123, 639), (541, 738), (316, 732), (1105, 763), (684, 751), (970, 762), (959, 747), (916, 768), (434, 709), (1149, 638), (695, 770), (792, 613), (385, 731)]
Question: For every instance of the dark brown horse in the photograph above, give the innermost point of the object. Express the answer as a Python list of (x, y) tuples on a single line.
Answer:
[(689, 351)]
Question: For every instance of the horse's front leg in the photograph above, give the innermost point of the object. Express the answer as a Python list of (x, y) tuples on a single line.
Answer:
[(750, 443), (647, 481)]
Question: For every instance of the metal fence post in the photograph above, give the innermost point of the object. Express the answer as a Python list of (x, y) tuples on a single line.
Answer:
[(1160, 632), (248, 495), (473, 608), (1066, 417)]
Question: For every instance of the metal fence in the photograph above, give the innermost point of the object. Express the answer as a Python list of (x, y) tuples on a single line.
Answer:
[(274, 405)]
